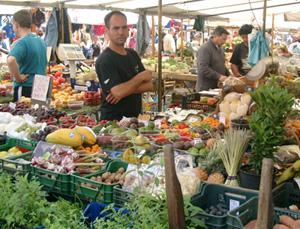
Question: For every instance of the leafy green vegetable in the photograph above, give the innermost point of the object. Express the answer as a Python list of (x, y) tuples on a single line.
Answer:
[(24, 203)]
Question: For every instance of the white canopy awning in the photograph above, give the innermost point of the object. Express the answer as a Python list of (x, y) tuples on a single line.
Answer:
[(221, 12)]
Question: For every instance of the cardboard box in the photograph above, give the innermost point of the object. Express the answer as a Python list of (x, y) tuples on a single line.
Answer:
[(150, 106), (90, 85)]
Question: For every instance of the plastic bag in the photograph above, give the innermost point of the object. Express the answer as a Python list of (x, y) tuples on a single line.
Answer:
[(232, 81), (141, 179), (5, 117), (287, 154), (189, 180)]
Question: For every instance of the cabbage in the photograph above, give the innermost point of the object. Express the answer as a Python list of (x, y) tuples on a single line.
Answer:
[(173, 68)]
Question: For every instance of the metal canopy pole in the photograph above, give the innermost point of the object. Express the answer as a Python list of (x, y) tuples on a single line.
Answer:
[(264, 17), (159, 86), (153, 36)]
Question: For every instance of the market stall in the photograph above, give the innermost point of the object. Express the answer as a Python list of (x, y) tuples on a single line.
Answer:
[(203, 150)]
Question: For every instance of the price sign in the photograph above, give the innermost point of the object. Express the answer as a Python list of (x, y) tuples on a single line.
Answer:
[(157, 123), (41, 92), (12, 105), (223, 120), (40, 87), (197, 140), (192, 120), (233, 204)]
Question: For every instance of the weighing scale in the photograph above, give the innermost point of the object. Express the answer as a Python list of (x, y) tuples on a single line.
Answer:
[(263, 68), (71, 53)]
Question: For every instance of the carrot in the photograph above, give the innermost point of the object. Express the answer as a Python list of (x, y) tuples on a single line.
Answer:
[(251, 225), (280, 226), (288, 221)]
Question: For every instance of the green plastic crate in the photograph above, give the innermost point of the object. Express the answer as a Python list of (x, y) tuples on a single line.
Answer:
[(11, 164), (241, 216), (11, 142), (51, 180), (214, 194), (121, 196), (285, 195), (102, 193)]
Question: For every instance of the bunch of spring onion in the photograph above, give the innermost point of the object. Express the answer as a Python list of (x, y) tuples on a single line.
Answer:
[(70, 161), (232, 151)]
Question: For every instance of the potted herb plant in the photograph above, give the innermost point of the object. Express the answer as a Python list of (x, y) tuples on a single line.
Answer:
[(273, 106)]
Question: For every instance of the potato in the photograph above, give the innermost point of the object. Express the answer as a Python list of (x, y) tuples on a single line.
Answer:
[(88, 185), (112, 177), (117, 177), (121, 170), (93, 178), (122, 177), (121, 182), (105, 176), (99, 179)]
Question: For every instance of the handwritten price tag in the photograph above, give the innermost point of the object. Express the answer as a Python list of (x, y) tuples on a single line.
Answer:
[(157, 123), (223, 120), (12, 105), (40, 88)]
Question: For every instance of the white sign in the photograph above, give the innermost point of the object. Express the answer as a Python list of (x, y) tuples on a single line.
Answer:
[(197, 140), (233, 204), (157, 123), (223, 120), (192, 120), (12, 106), (40, 88)]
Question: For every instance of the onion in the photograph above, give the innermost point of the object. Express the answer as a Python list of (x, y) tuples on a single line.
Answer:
[(99, 160), (51, 167), (70, 167), (75, 156), (70, 151), (67, 160), (53, 148), (34, 161), (46, 164), (41, 161), (58, 151), (56, 159)]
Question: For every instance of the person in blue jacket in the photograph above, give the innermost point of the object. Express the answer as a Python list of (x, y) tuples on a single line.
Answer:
[(27, 57)]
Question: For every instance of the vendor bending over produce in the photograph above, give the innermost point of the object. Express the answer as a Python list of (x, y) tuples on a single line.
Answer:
[(211, 61), (121, 73), (27, 57)]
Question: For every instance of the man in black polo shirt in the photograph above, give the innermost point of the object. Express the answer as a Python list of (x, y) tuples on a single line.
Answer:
[(239, 65), (121, 73)]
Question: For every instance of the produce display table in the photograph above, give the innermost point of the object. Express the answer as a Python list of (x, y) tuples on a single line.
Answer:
[(85, 110)]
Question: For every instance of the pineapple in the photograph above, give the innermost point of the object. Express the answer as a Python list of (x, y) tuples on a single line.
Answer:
[(216, 178), (211, 162), (213, 165), (202, 173)]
